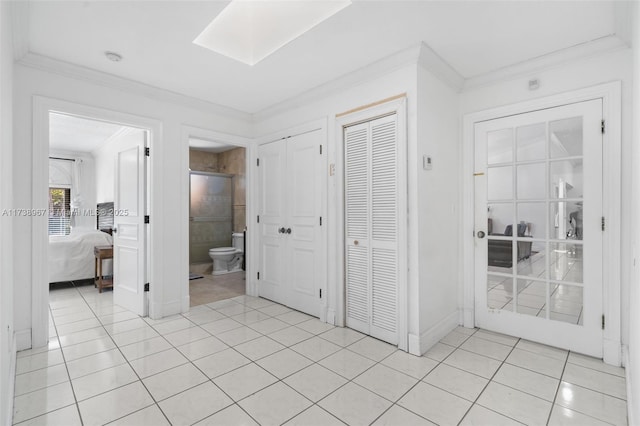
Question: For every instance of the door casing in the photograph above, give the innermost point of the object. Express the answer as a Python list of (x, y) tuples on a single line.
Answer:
[(610, 93)]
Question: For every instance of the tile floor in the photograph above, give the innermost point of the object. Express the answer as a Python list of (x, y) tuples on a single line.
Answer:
[(249, 361), (211, 288)]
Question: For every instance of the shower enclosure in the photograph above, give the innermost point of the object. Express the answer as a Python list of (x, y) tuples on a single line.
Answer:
[(211, 214)]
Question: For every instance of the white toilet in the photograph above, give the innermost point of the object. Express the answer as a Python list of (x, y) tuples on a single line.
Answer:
[(228, 259)]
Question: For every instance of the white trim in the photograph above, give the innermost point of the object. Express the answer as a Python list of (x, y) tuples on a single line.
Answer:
[(611, 97), (437, 332), (20, 25), (236, 141), (632, 400), (326, 312), (439, 68), (40, 183), (44, 63), (561, 57), (399, 107), (12, 380), (23, 340)]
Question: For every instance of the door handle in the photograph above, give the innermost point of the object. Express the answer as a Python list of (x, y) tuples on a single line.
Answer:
[(281, 230), (481, 234), (288, 230), (114, 230)]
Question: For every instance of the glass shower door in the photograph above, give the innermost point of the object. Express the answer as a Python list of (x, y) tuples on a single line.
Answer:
[(211, 214)]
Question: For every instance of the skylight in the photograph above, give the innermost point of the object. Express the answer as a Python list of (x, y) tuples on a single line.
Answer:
[(250, 30)]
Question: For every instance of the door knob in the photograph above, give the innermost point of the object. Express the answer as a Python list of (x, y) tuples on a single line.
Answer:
[(288, 230), (480, 234), (356, 242), (114, 230), (281, 230)]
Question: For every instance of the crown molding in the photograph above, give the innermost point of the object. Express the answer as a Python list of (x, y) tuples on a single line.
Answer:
[(66, 69), (20, 28), (580, 51), (432, 62), (367, 73)]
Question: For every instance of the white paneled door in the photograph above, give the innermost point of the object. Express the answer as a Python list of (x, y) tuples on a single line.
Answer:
[(291, 259), (539, 226), (371, 237), (129, 234)]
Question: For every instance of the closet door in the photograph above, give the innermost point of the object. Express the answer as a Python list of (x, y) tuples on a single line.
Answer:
[(291, 260), (272, 219), (371, 200)]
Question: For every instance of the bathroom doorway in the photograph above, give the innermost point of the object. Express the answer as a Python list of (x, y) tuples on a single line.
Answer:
[(217, 221)]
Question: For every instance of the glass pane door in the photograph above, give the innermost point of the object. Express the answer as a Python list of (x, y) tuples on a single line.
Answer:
[(538, 178)]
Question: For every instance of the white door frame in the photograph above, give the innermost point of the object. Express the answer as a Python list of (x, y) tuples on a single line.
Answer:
[(610, 93), (399, 107), (42, 106), (316, 125), (252, 253)]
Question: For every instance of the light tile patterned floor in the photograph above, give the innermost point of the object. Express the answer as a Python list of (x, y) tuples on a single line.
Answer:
[(249, 361)]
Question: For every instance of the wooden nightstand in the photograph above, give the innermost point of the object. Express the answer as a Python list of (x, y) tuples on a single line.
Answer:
[(101, 253)]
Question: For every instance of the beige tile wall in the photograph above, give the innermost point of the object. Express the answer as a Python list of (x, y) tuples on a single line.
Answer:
[(231, 162)]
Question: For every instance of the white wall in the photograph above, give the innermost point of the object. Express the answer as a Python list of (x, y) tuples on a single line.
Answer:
[(86, 185), (432, 128), (105, 163), (437, 209), (7, 341), (167, 275), (633, 364), (612, 66)]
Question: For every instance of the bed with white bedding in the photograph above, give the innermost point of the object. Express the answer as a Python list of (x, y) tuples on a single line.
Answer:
[(71, 256)]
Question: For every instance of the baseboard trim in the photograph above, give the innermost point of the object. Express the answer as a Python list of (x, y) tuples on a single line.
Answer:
[(438, 331), (23, 340), (414, 344), (612, 352), (12, 380), (631, 399)]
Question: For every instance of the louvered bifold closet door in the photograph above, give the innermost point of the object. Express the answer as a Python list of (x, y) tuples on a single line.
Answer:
[(357, 220), (371, 204), (384, 229)]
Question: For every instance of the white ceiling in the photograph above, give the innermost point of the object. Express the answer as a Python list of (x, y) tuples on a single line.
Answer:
[(71, 133), (155, 40)]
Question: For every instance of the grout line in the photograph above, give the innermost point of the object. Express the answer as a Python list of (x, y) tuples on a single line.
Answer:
[(555, 396)]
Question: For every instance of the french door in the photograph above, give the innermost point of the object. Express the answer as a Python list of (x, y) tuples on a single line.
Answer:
[(291, 260), (539, 224)]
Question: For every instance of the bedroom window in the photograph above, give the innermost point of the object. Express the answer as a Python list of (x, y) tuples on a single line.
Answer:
[(59, 211)]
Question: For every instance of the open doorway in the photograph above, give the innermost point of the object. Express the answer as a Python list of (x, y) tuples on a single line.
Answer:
[(93, 169), (217, 221)]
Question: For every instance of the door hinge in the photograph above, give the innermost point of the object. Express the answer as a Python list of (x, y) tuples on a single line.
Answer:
[(603, 322), (603, 223), (258, 275), (602, 126), (258, 218), (320, 220), (146, 151), (146, 218), (258, 162), (320, 149), (320, 293), (146, 287)]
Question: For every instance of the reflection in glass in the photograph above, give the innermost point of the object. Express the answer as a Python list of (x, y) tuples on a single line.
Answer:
[(500, 255), (500, 215), (499, 291), (566, 304), (565, 138), (565, 262), (565, 178), (531, 181), (532, 298), (531, 141), (500, 183), (533, 215), (565, 220), (500, 146), (532, 265)]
